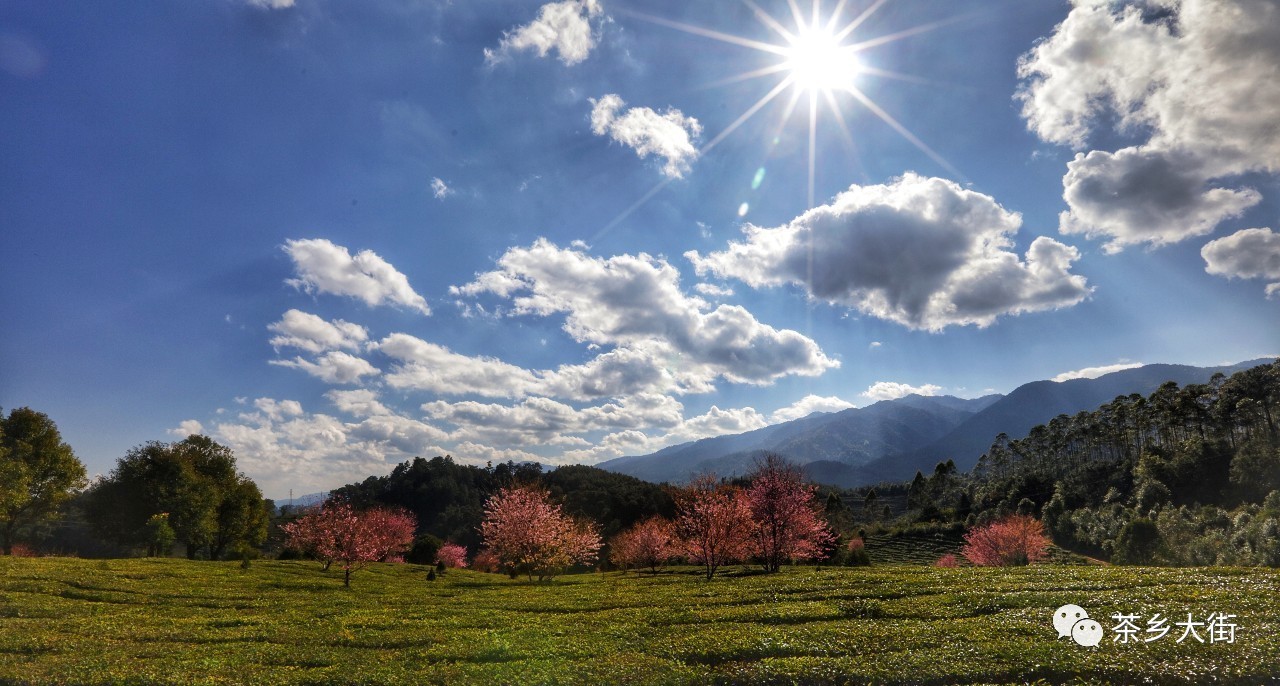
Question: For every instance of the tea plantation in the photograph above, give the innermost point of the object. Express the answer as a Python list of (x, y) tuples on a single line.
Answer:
[(175, 621)]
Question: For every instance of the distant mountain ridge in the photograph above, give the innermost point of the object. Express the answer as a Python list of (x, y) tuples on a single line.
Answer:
[(891, 439), (853, 437)]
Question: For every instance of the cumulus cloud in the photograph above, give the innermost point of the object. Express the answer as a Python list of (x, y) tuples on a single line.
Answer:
[(281, 446), (1190, 78), (919, 251), (425, 366), (564, 27), (891, 390), (187, 427), (440, 189), (323, 267), (634, 302), (1143, 195), (1246, 254), (333, 367), (1095, 372), (713, 290), (297, 329), (808, 405), (668, 135), (360, 402)]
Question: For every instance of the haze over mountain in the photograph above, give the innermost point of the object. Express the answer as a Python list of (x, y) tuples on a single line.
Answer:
[(892, 439)]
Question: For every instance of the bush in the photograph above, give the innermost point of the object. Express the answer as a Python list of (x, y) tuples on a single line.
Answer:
[(1013, 541), (856, 554), (424, 550), (948, 561)]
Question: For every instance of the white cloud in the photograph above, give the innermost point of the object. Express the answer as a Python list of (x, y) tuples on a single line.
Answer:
[(281, 446), (635, 302), (360, 402), (1141, 195), (1246, 254), (564, 27), (808, 405), (308, 332), (272, 4), (715, 422), (919, 251), (323, 267), (440, 189), (891, 390), (333, 367), (713, 290), (669, 135), (1191, 77), (430, 367), (543, 421), (1095, 372), (187, 427), (875, 344)]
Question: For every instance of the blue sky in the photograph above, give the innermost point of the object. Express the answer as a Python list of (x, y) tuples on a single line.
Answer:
[(334, 235)]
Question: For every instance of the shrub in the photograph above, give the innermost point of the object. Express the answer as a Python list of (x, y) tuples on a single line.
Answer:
[(424, 550), (948, 561), (1012, 541), (856, 554)]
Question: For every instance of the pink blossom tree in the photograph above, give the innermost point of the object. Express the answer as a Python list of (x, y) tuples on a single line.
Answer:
[(1012, 541), (650, 543), (338, 532), (528, 534), (788, 519), (714, 523), (452, 556)]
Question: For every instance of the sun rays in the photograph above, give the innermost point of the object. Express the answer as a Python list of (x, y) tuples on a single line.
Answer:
[(818, 67)]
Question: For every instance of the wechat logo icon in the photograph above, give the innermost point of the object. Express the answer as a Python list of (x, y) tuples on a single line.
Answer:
[(1074, 621)]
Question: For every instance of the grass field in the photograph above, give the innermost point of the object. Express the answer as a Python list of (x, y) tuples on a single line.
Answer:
[(175, 621)]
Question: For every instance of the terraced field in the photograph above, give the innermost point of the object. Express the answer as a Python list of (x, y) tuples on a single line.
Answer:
[(175, 621)]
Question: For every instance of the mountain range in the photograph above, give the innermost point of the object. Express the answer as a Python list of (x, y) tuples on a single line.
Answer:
[(892, 439)]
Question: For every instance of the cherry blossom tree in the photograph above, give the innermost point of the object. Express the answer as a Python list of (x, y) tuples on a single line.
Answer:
[(788, 518), (338, 532), (531, 535), (650, 543), (1012, 541), (452, 555), (714, 523)]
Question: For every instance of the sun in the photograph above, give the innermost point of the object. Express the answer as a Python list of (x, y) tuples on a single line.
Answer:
[(816, 61)]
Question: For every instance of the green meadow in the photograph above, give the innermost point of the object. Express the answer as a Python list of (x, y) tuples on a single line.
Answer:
[(175, 621)]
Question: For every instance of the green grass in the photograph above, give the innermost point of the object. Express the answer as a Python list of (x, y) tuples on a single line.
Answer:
[(174, 621)]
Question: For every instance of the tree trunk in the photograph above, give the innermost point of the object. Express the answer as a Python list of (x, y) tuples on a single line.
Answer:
[(346, 581)]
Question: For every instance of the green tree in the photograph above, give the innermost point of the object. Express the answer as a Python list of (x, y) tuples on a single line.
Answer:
[(38, 473), (213, 509)]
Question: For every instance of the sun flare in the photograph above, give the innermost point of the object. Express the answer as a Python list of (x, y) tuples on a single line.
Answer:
[(816, 61)]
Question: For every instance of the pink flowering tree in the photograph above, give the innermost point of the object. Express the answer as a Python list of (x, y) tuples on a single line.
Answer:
[(338, 532), (528, 534), (714, 523), (452, 556), (1012, 541), (788, 519), (651, 543)]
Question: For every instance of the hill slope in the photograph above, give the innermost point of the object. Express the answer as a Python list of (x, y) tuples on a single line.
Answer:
[(852, 438), (1031, 404), (892, 439)]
